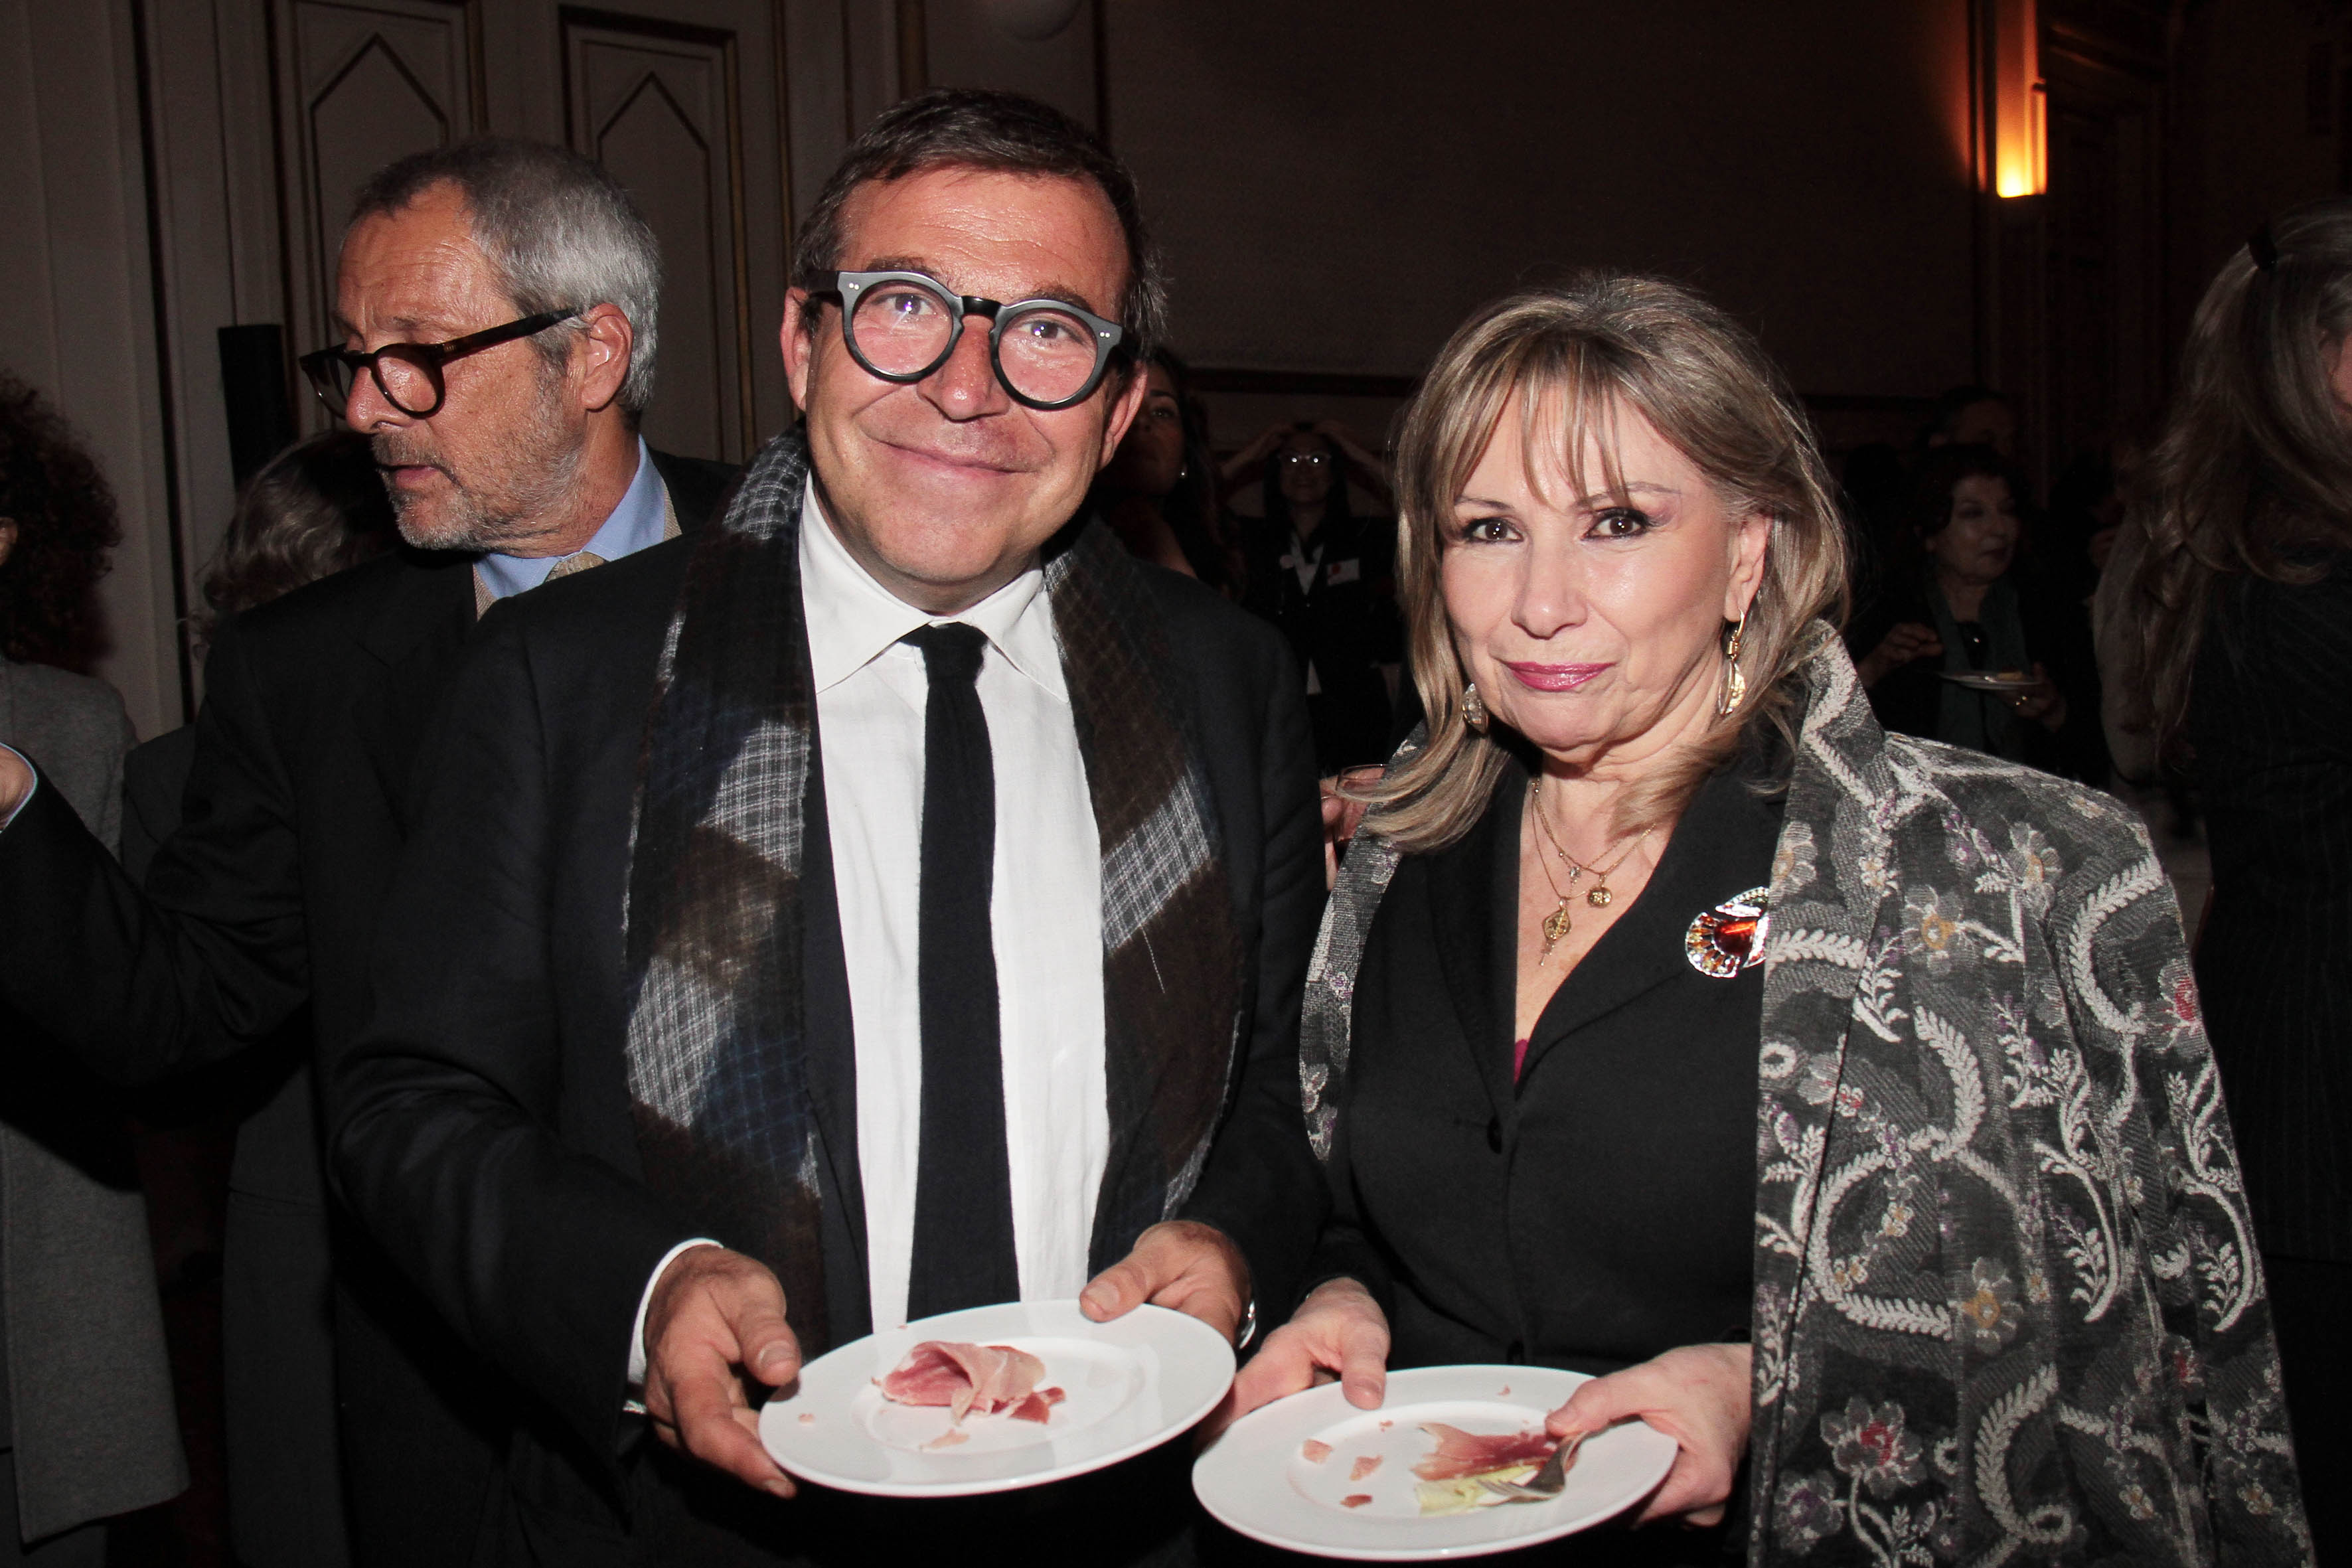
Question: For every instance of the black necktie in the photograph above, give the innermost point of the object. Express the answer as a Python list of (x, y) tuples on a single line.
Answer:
[(963, 1182)]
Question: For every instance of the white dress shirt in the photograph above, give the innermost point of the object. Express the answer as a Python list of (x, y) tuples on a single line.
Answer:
[(1044, 910)]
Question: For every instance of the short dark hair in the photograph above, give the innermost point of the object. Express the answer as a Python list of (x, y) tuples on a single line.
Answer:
[(65, 528), (1002, 132), (1945, 422), (560, 233), (1939, 475)]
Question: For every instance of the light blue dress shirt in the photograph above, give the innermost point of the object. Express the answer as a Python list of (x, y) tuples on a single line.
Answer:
[(635, 524)]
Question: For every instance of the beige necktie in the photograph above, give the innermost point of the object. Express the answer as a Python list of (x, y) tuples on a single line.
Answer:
[(571, 563)]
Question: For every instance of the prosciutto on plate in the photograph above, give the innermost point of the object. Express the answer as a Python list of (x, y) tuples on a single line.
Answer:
[(1459, 1453), (967, 1378)]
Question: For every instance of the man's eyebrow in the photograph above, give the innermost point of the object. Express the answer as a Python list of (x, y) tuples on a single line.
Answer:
[(342, 323), (1061, 293)]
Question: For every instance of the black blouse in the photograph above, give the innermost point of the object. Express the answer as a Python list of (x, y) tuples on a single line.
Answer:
[(1599, 1210)]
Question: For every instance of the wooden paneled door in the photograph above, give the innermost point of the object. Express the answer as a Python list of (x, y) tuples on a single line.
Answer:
[(360, 84), (2104, 253), (661, 105)]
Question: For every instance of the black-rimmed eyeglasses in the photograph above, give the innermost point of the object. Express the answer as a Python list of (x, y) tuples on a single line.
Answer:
[(409, 374), (902, 326)]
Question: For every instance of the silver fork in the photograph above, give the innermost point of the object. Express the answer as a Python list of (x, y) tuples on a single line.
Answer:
[(1546, 1483)]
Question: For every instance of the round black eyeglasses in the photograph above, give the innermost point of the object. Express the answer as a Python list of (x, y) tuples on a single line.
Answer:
[(902, 326), (409, 374)]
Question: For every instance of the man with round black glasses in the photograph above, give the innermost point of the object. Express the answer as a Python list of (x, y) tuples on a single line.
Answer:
[(500, 301), (893, 901)]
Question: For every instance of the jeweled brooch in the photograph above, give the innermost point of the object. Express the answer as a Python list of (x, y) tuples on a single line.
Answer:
[(1728, 938)]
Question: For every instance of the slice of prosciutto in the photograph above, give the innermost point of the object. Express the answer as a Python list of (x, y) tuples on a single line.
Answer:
[(1039, 1407), (966, 1377), (1460, 1453)]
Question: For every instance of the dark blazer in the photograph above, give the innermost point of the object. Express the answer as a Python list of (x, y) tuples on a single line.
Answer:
[(2271, 719), (482, 1127), (261, 908), (1596, 1211), (1344, 623), (277, 1306)]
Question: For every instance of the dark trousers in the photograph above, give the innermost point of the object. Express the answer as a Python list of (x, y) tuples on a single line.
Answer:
[(2311, 1301)]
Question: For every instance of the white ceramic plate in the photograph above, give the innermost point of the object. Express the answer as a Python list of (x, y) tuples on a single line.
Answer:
[(1132, 1383), (1257, 1479), (1988, 681)]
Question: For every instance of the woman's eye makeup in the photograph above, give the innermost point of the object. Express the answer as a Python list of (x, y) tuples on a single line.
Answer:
[(1621, 523), (1482, 530)]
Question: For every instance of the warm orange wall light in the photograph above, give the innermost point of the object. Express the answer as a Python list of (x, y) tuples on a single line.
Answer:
[(2021, 123)]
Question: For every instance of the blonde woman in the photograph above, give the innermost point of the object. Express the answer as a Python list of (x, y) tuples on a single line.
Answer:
[(1840, 1096)]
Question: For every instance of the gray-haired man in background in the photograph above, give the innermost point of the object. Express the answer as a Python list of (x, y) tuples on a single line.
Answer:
[(498, 304)]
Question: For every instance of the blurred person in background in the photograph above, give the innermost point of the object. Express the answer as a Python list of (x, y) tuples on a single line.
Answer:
[(1325, 578), (76, 1279), (1958, 606), (1159, 491), (1973, 417), (314, 509), (2236, 624), (497, 306)]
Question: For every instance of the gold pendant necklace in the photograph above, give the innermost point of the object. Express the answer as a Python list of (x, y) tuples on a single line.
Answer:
[(1557, 924)]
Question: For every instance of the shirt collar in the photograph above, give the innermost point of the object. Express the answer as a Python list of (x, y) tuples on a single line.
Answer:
[(635, 523), (853, 619)]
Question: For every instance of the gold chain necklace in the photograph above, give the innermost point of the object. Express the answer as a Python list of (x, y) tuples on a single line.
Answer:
[(1557, 924)]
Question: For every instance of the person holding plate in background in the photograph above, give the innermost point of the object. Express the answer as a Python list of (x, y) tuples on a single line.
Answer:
[(1957, 645), (1839, 1097)]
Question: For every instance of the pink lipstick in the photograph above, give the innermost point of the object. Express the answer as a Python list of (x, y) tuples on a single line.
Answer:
[(1555, 676)]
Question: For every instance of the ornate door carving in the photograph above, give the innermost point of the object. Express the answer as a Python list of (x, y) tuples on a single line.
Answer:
[(360, 85)]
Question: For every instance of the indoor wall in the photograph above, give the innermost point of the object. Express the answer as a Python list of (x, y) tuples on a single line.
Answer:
[(1335, 185)]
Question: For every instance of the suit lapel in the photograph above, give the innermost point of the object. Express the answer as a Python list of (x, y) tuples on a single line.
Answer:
[(417, 634), (829, 1031), (1474, 904), (1824, 971)]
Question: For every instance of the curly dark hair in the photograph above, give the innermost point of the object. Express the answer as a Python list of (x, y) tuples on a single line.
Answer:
[(64, 513)]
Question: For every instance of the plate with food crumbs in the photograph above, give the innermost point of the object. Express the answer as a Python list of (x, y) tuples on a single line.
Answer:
[(1405, 1483), (2011, 681), (995, 1399)]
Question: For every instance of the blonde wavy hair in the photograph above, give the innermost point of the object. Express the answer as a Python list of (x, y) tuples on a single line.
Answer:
[(1583, 354)]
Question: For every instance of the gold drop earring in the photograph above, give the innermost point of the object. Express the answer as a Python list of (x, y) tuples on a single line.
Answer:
[(1474, 708), (1735, 682)]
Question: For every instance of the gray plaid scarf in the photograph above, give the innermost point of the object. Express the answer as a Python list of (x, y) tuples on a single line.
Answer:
[(716, 1047)]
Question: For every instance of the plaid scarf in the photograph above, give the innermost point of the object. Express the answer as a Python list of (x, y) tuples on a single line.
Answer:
[(717, 1047)]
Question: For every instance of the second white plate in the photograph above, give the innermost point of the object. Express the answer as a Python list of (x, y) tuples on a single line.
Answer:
[(1257, 1476), (1132, 1383)]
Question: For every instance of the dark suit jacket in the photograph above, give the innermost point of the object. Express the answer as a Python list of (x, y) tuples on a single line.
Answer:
[(482, 1127), (1597, 1210), (2271, 717), (263, 904), (1344, 624)]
